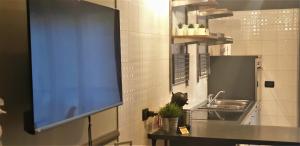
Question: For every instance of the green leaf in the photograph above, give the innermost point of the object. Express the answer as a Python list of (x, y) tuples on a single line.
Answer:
[(170, 110)]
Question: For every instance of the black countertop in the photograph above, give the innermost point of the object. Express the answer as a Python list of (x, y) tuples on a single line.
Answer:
[(234, 134), (228, 131), (246, 133)]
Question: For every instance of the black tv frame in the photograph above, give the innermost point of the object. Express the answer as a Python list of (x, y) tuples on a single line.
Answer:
[(29, 126)]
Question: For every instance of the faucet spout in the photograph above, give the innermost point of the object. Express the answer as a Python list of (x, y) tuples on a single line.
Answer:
[(213, 99)]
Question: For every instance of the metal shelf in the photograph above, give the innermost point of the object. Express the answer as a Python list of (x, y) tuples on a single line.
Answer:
[(194, 4), (221, 40), (209, 39), (193, 39), (179, 65), (215, 13)]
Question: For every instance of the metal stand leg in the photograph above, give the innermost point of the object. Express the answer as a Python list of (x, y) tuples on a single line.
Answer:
[(153, 142), (166, 142)]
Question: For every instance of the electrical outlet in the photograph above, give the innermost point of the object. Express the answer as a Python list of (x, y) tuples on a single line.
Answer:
[(145, 114), (269, 84)]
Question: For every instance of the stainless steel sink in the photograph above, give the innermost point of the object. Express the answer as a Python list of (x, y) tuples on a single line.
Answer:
[(227, 105), (232, 102)]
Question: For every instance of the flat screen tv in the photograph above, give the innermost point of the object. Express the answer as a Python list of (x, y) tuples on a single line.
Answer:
[(75, 60)]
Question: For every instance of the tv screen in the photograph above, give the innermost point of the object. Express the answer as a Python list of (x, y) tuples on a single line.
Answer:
[(75, 60)]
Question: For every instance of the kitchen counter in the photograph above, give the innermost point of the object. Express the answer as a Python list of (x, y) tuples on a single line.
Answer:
[(210, 130), (228, 134)]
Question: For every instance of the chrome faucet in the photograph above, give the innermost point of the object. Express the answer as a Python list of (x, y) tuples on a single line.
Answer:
[(212, 98)]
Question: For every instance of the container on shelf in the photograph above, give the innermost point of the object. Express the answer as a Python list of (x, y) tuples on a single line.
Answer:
[(185, 29), (196, 29), (191, 29), (206, 31), (201, 31), (196, 25), (180, 31)]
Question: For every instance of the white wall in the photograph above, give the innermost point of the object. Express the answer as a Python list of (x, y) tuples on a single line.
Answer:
[(145, 64), (274, 34), (145, 61)]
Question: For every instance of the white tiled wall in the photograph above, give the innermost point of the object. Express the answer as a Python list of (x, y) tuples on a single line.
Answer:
[(274, 34), (145, 64)]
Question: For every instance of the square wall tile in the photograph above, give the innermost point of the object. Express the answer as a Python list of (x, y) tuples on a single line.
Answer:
[(269, 48)]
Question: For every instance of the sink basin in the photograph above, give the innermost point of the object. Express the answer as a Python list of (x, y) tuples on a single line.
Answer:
[(231, 102), (237, 105), (226, 107)]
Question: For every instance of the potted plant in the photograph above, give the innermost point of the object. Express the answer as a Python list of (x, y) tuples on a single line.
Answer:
[(181, 99), (180, 30), (180, 25), (170, 113), (201, 30), (191, 29)]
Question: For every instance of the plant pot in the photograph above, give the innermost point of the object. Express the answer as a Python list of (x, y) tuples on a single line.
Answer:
[(196, 25), (185, 29), (170, 124), (206, 31), (165, 124), (191, 31), (180, 32), (173, 124), (201, 31)]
